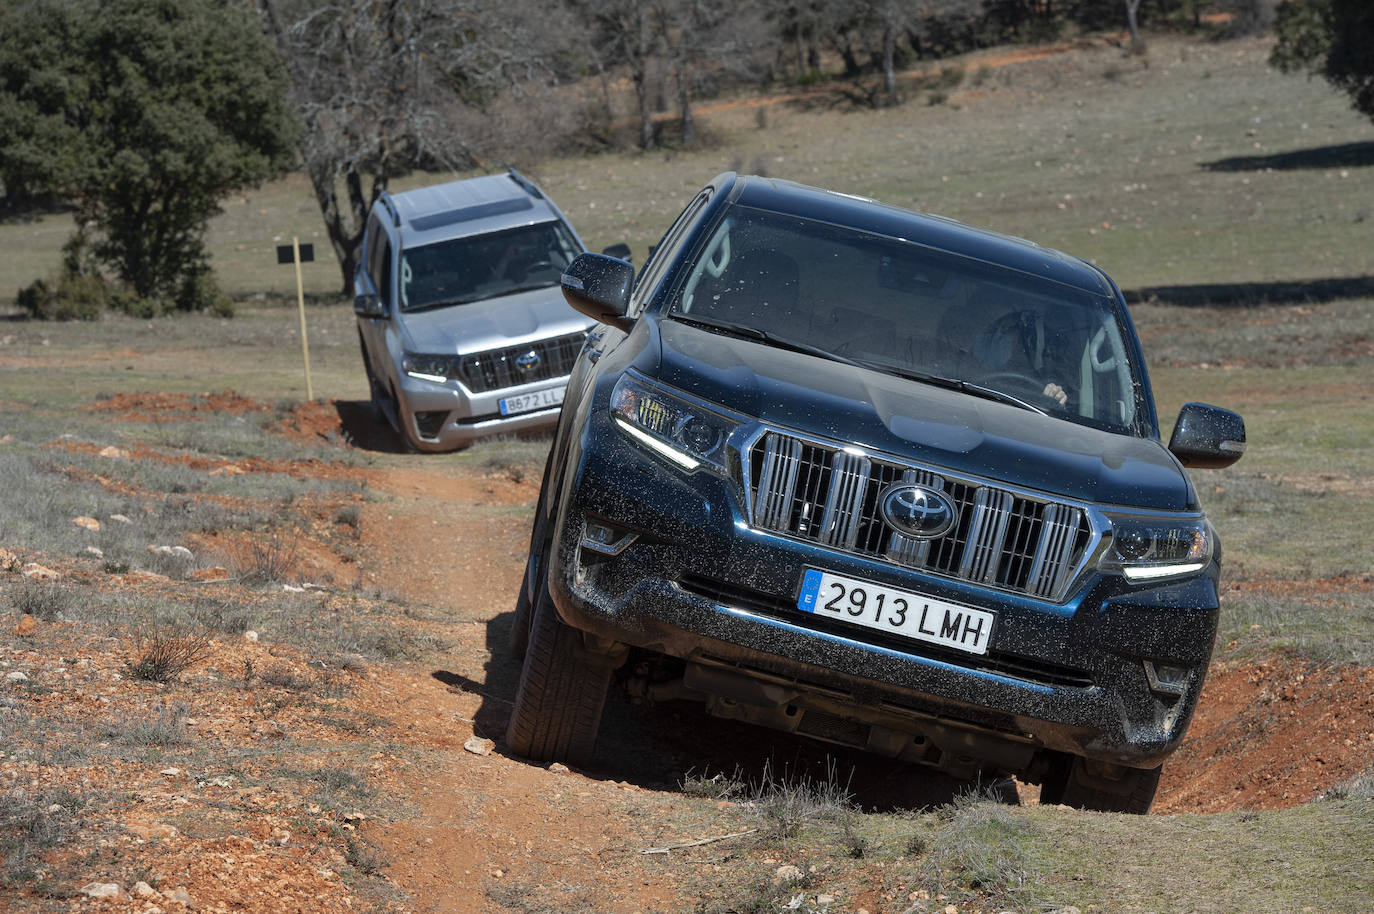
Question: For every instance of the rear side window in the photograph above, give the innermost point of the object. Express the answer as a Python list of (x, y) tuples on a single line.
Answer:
[(379, 261)]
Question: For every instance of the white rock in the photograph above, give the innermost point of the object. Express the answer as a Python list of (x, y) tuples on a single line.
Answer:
[(825, 899), (558, 768), (171, 772), (120, 518), (54, 808), (787, 873), (250, 635), (180, 894), (16, 676), (144, 889), (101, 889), (479, 746), (291, 588), (96, 551)]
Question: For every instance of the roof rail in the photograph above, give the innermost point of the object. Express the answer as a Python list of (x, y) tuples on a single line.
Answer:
[(391, 207), (526, 183)]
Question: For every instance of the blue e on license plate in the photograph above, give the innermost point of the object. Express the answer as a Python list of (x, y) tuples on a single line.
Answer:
[(898, 612)]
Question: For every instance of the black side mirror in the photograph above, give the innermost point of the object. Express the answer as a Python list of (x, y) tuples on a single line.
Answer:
[(599, 287), (368, 305), (619, 251), (1207, 437)]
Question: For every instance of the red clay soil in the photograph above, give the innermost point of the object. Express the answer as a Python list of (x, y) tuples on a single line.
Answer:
[(162, 407), (1272, 735)]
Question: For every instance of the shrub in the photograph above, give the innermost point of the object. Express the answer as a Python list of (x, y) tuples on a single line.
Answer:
[(167, 653)]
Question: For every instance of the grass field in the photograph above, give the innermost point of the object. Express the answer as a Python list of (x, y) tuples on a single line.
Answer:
[(1232, 202)]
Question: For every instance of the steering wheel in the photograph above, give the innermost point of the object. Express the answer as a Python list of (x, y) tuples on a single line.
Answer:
[(538, 266), (1023, 381)]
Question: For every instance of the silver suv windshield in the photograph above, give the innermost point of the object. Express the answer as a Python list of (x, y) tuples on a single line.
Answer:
[(908, 310), (479, 267)]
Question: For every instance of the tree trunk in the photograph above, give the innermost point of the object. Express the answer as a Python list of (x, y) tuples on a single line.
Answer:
[(889, 74), (684, 97), (646, 120), (1131, 7), (345, 240)]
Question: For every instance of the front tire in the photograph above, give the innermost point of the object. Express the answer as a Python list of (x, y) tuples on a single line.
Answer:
[(1077, 782), (561, 694)]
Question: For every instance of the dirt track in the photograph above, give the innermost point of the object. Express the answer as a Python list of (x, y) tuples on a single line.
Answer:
[(467, 832)]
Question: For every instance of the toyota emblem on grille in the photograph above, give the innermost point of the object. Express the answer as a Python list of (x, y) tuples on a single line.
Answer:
[(528, 361), (917, 511)]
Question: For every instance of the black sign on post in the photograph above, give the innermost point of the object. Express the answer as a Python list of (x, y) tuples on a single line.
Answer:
[(284, 253)]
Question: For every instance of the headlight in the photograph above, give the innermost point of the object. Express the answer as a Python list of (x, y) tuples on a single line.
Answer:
[(438, 368), (1156, 548), (689, 435)]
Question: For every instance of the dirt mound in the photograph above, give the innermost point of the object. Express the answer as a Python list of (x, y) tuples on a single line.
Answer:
[(1272, 735), (312, 423)]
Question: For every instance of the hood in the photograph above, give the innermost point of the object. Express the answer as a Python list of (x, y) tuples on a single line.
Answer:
[(927, 424), (490, 324)]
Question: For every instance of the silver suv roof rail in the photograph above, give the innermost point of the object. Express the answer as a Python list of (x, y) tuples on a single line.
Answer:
[(385, 200), (525, 182)]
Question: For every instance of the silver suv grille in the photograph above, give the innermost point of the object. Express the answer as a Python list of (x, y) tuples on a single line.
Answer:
[(828, 495), (512, 366)]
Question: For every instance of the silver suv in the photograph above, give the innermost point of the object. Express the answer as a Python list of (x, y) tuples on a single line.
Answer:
[(463, 328)]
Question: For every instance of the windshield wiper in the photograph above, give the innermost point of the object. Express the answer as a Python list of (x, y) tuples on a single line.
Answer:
[(967, 387), (763, 336)]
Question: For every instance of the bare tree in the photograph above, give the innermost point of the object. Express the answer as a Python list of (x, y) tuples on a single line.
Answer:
[(709, 39), (378, 85), (627, 33)]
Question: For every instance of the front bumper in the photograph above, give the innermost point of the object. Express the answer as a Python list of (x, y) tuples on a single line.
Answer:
[(697, 583), (446, 416)]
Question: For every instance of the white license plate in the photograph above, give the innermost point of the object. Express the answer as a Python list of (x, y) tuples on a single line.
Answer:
[(897, 612), (540, 399)]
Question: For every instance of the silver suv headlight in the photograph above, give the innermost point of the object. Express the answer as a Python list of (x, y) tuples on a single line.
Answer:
[(1153, 548), (688, 434), (437, 368)]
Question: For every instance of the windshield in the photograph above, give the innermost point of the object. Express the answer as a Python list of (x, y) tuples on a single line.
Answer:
[(909, 310), (485, 266)]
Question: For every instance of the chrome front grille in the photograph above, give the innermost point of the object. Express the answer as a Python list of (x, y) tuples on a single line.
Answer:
[(829, 495), (498, 369)]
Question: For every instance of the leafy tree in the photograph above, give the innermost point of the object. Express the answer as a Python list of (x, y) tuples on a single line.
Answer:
[(144, 114), (1334, 38)]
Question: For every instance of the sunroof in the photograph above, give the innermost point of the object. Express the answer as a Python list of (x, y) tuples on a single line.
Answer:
[(468, 213)]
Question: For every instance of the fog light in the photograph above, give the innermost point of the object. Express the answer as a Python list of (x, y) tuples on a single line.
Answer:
[(606, 539), (1166, 679)]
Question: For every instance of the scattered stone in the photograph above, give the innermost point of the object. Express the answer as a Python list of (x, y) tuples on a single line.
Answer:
[(217, 573), (1069, 909), (172, 772), (250, 635), (292, 588), (229, 469), (114, 453), (479, 746), (223, 780), (180, 894), (26, 626), (144, 889), (9, 562), (158, 830), (86, 523), (39, 572), (558, 768), (16, 676), (101, 889), (180, 551), (787, 873), (95, 551), (120, 518), (825, 899), (281, 836)]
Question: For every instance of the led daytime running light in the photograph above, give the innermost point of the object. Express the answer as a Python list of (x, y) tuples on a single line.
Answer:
[(686, 461)]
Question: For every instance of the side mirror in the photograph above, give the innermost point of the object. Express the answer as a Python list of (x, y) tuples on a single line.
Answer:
[(368, 305), (619, 251), (1207, 437), (599, 287)]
